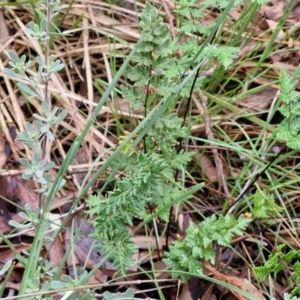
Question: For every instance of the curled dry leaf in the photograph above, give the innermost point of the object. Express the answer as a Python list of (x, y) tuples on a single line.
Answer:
[(184, 221), (209, 169), (3, 155)]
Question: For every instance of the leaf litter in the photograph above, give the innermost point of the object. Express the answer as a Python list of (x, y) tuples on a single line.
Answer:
[(15, 192)]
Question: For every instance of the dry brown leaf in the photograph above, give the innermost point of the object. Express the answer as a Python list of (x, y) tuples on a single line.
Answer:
[(240, 283), (82, 249), (63, 201), (275, 11), (184, 221), (83, 245), (56, 252), (12, 285), (273, 26), (26, 194), (250, 47), (209, 169), (4, 225), (121, 105), (82, 157), (8, 190), (259, 101), (3, 155), (97, 278), (146, 242), (195, 289), (9, 186), (286, 67), (160, 268), (295, 12), (6, 254), (186, 293)]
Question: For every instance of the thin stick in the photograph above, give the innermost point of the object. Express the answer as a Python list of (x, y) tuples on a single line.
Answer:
[(210, 136)]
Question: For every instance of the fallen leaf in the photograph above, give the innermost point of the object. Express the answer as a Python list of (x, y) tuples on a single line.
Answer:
[(259, 101), (55, 252), (85, 247), (81, 157), (195, 289), (3, 155), (26, 194), (6, 254), (241, 283), (184, 221), (160, 268), (97, 278), (209, 169), (146, 242), (273, 26), (275, 11)]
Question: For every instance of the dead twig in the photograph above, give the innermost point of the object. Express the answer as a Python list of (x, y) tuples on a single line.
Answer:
[(210, 137)]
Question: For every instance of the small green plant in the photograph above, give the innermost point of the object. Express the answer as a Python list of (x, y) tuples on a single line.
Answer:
[(129, 294), (289, 132), (287, 296), (279, 261), (198, 244), (289, 129), (31, 218), (264, 206), (190, 15), (40, 129), (38, 271), (148, 184), (67, 281)]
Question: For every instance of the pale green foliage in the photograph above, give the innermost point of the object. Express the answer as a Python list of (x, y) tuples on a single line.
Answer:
[(129, 294), (190, 14), (5, 267), (69, 282), (287, 296), (279, 261), (38, 271), (144, 185), (289, 129), (198, 243), (151, 60), (40, 128), (31, 218), (38, 31), (264, 206), (42, 279)]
